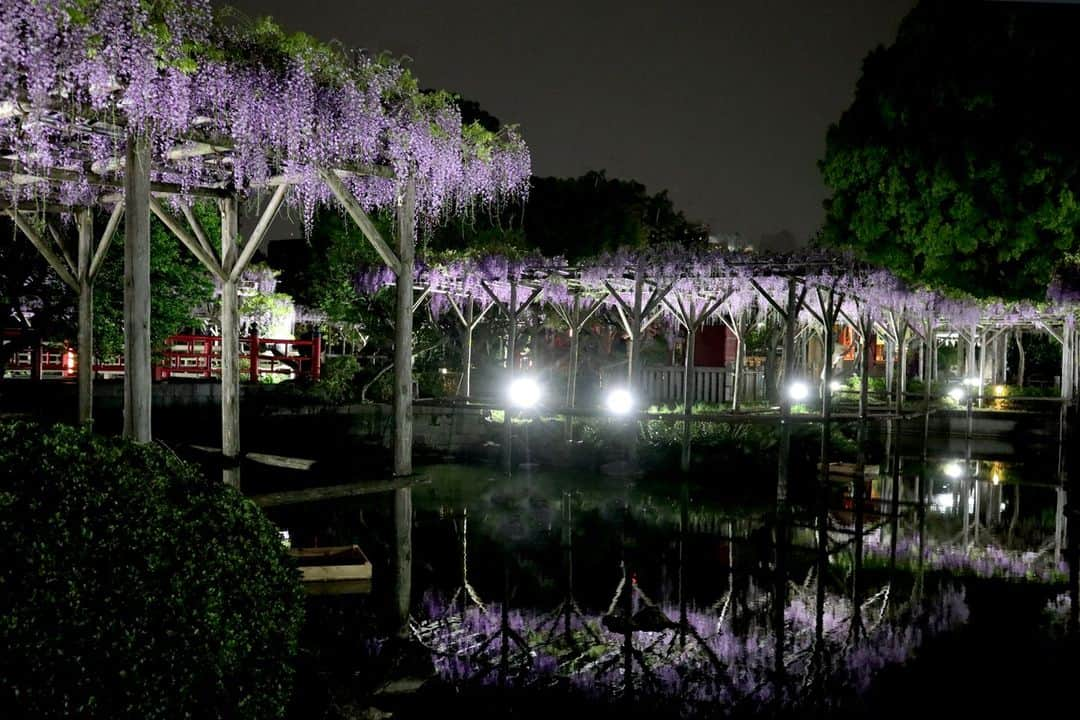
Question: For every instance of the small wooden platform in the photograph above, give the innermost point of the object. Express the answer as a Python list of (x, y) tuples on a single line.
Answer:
[(336, 570)]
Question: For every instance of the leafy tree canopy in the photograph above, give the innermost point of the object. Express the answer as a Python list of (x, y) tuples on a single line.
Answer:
[(957, 163)]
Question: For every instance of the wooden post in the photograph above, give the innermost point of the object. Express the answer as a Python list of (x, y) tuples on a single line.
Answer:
[(901, 383), (137, 361), (633, 366), (403, 326), (230, 346), (791, 314), (403, 405), (511, 353), (470, 314), (1066, 360), (85, 221), (316, 354), (740, 362), (688, 388), (572, 369), (253, 354)]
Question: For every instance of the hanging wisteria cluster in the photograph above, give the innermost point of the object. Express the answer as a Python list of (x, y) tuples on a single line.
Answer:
[(736, 283), (227, 104)]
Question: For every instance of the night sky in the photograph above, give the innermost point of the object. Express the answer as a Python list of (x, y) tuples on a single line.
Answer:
[(724, 104)]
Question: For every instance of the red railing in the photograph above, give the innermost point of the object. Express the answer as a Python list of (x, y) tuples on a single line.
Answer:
[(185, 356)]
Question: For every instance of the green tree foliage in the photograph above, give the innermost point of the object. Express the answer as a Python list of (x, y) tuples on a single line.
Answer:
[(179, 284), (133, 587), (579, 217), (957, 163)]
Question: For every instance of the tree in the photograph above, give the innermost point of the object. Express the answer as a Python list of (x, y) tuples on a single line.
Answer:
[(179, 285), (957, 163)]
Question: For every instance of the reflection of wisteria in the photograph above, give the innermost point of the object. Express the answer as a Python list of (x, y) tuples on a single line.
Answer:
[(985, 561), (1058, 609), (709, 664)]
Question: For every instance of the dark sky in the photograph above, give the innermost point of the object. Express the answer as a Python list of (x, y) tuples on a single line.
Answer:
[(723, 103)]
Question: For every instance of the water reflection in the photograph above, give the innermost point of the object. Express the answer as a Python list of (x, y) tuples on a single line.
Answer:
[(670, 595)]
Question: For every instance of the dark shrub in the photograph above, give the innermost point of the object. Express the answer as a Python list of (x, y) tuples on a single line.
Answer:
[(133, 587)]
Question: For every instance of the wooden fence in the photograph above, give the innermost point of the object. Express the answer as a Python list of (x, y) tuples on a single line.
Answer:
[(714, 385)]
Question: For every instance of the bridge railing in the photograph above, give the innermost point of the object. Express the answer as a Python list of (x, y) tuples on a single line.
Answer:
[(712, 385)]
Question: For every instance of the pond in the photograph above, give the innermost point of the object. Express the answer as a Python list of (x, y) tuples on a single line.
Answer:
[(938, 583)]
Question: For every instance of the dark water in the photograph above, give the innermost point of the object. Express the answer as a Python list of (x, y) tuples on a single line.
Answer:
[(547, 591)]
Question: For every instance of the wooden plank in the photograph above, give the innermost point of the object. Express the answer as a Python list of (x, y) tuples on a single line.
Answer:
[(333, 492), (332, 573), (341, 587)]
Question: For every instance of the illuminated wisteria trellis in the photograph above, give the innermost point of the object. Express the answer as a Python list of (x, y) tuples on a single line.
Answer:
[(129, 108), (805, 293)]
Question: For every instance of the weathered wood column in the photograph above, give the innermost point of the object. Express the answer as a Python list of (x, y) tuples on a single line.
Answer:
[(688, 391), (791, 315), (230, 345), (137, 360), (85, 221), (403, 327), (470, 326), (633, 356), (403, 405)]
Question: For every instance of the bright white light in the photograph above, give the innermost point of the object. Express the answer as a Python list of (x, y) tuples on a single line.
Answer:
[(524, 393), (943, 502), (285, 538), (836, 386), (996, 479), (972, 382), (620, 402), (954, 470), (798, 390), (957, 394)]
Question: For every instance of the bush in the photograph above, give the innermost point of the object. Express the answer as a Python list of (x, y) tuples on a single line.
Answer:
[(133, 587)]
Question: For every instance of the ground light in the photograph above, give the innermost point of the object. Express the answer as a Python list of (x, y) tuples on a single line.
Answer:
[(524, 393), (620, 402), (798, 391), (957, 395), (954, 470)]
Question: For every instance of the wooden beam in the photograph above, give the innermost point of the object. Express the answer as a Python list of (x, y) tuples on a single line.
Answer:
[(106, 239), (198, 230), (51, 257), (96, 180), (185, 237), (352, 207), (257, 235), (58, 238)]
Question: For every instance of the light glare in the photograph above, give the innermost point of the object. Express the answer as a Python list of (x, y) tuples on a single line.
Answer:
[(798, 391), (620, 402), (524, 393), (954, 470), (957, 394)]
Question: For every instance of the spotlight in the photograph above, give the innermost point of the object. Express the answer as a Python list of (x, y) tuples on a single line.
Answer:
[(836, 386), (620, 402), (957, 394), (524, 393), (798, 391), (954, 470)]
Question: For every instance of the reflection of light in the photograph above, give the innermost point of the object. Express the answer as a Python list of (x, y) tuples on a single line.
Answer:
[(620, 402), (996, 479), (285, 538), (1000, 390), (798, 390), (957, 394), (524, 393), (836, 386), (954, 470), (943, 501)]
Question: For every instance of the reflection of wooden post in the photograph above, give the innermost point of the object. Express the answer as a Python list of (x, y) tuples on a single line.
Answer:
[(137, 368)]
